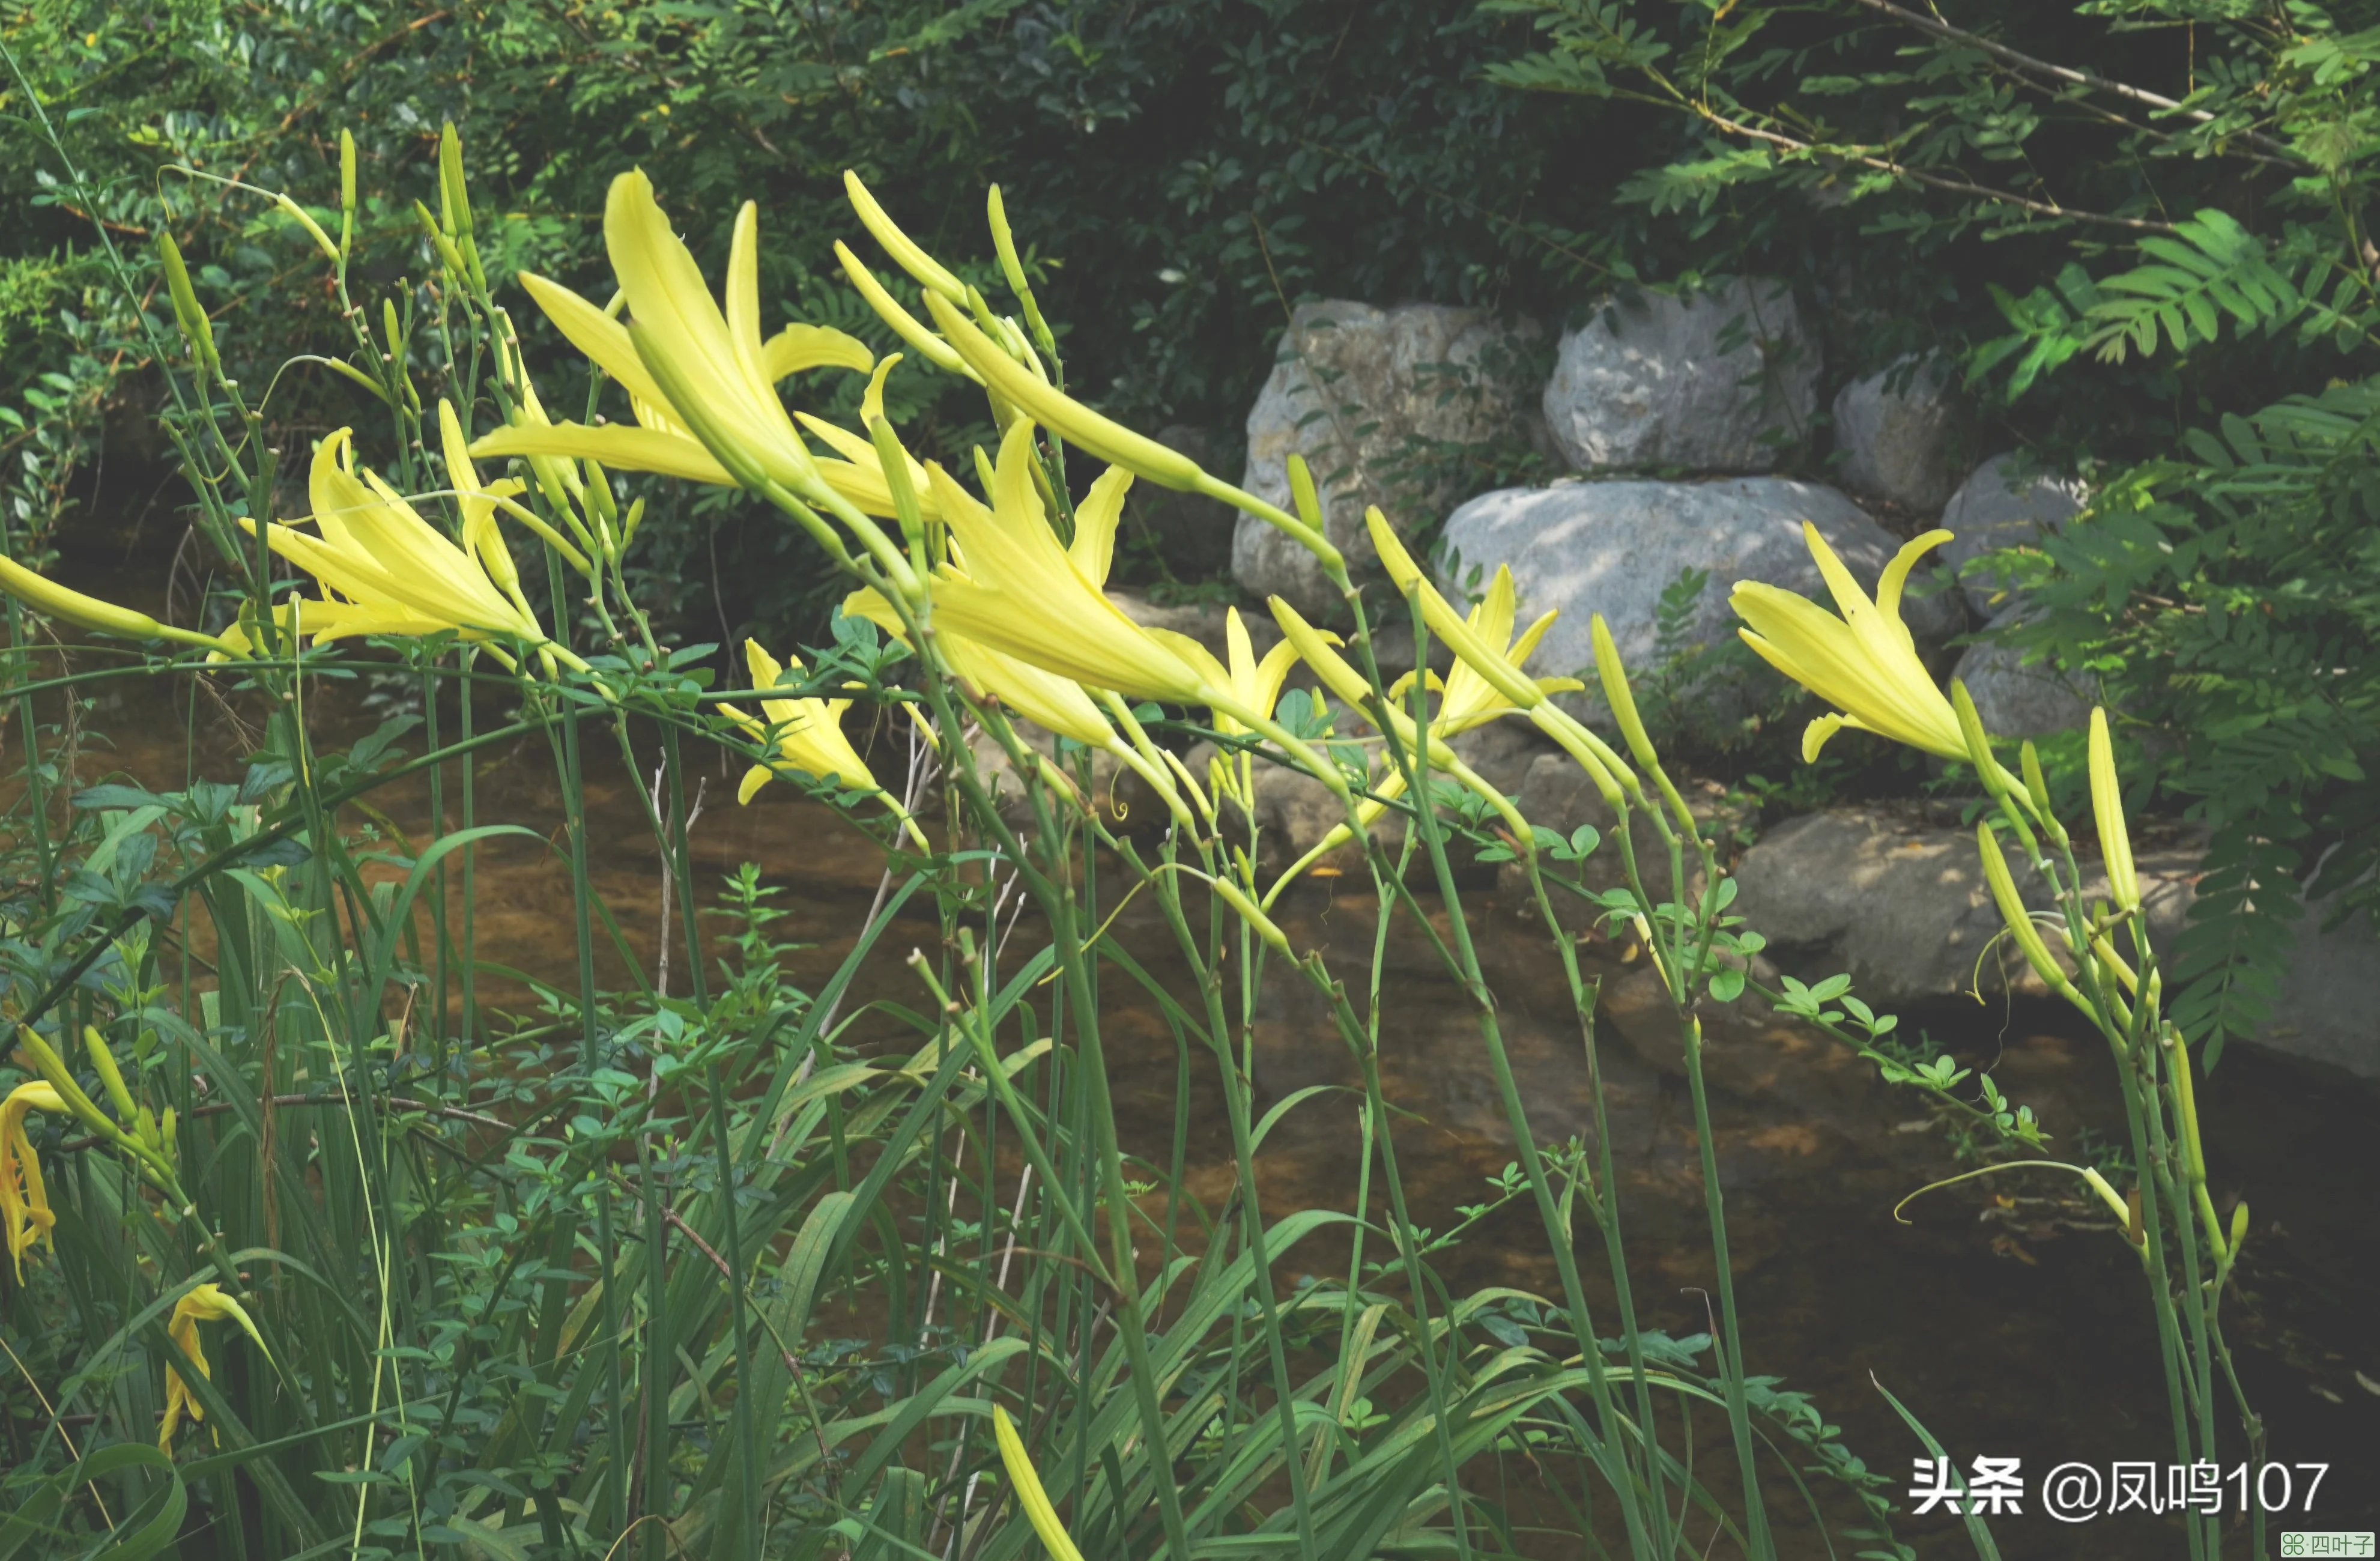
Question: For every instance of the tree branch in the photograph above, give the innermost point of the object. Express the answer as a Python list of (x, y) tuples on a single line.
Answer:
[(2278, 149), (1936, 181)]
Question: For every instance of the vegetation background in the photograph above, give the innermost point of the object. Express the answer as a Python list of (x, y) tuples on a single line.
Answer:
[(1185, 171)]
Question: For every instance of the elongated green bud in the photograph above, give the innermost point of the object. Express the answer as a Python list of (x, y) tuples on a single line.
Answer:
[(346, 172), (52, 1068), (391, 331), (2036, 784), (448, 256), (1003, 241), (635, 518), (2013, 914), (896, 462), (46, 596), (906, 325), (2107, 813), (1258, 922), (296, 213), (2238, 1228), (930, 273), (1979, 743), (1102, 436), (196, 327), (102, 1061), (1302, 491), (452, 193), (1616, 694)]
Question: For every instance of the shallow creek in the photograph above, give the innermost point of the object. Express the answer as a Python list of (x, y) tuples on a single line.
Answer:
[(2010, 1331)]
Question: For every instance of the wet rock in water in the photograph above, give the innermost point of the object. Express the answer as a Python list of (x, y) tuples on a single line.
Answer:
[(1583, 548), (2003, 505), (1902, 434), (2017, 701), (1190, 534), (1725, 380), (1897, 900), (1367, 395)]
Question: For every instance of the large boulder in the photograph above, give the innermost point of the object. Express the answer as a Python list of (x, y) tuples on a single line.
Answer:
[(1897, 900), (1902, 435), (2020, 701), (1366, 395), (2005, 504), (1614, 547), (1724, 381)]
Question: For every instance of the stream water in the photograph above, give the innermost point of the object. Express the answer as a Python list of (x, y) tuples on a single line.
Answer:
[(2001, 1317)]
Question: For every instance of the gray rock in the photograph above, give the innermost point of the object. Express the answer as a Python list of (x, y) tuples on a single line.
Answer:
[(1614, 547), (1898, 902), (1902, 434), (1721, 382), (2017, 701), (1190, 534), (2328, 1006), (1364, 394), (2000, 506)]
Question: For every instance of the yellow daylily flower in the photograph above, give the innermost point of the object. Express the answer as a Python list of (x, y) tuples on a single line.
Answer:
[(2107, 813), (1030, 1496), (1865, 662), (25, 1216), (46, 596), (1498, 665), (809, 736), (1051, 701), (204, 1303), (728, 374), (864, 484), (1314, 648), (386, 571), (1256, 683), (1013, 588), (808, 731), (1467, 698)]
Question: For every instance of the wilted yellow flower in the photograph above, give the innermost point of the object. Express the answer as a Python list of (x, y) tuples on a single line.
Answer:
[(1030, 1496), (727, 374), (1865, 662), (204, 1303), (25, 1216), (386, 571)]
